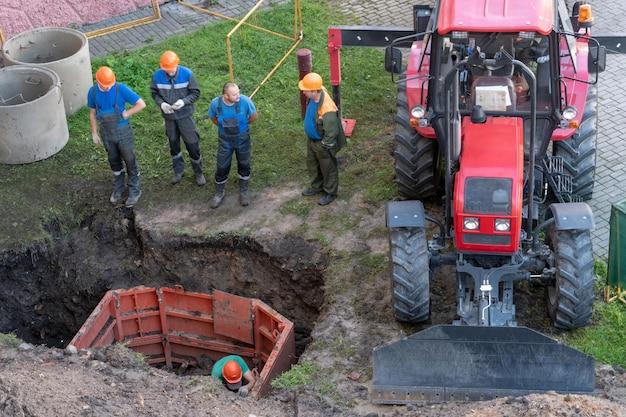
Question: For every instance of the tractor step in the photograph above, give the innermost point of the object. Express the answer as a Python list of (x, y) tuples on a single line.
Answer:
[(554, 164), (467, 363)]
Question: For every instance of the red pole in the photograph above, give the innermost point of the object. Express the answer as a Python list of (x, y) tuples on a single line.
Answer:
[(305, 65)]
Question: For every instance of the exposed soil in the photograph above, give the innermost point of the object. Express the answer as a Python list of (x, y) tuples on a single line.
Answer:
[(328, 272), (49, 290)]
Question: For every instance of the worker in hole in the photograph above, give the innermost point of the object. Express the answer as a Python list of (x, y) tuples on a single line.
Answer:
[(232, 113), (109, 117), (323, 128), (232, 370), (175, 90)]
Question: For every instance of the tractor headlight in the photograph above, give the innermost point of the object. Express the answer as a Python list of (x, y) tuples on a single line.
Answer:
[(503, 225), (471, 223), (418, 112), (570, 113)]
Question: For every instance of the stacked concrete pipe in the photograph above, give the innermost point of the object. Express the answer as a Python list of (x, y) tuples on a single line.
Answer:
[(32, 116), (64, 51)]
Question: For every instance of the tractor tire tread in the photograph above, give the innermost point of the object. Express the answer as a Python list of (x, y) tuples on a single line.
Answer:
[(579, 151), (572, 304), (411, 275), (414, 155)]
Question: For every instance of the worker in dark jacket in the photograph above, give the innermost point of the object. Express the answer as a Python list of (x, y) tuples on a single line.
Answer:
[(232, 113), (325, 138), (107, 103), (174, 89)]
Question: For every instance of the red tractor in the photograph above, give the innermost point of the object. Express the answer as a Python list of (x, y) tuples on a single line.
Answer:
[(496, 114)]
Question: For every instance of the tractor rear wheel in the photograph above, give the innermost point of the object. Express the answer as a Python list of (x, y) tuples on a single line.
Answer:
[(579, 151), (570, 298), (411, 274), (414, 155)]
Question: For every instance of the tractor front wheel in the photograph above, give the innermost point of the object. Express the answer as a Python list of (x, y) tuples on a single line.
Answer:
[(570, 298), (411, 274)]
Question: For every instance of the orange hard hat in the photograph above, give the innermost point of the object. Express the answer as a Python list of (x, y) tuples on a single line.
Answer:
[(105, 77), (169, 61), (231, 372), (312, 81)]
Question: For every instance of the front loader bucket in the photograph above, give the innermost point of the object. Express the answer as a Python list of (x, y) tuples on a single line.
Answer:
[(468, 363)]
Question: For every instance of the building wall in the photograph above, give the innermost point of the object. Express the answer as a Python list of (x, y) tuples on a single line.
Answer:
[(18, 15)]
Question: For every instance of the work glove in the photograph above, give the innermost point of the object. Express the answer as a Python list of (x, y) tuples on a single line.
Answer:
[(243, 391), (179, 104), (167, 109), (95, 137)]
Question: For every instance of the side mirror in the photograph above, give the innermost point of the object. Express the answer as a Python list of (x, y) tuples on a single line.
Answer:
[(597, 58), (393, 60)]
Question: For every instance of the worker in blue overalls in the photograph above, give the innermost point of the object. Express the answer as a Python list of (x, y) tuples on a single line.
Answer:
[(107, 103), (175, 90), (232, 113)]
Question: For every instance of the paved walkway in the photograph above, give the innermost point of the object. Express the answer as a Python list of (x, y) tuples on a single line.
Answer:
[(611, 168), (176, 19)]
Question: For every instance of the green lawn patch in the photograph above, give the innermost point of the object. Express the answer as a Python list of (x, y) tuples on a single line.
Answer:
[(9, 340), (66, 185), (605, 338), (299, 375)]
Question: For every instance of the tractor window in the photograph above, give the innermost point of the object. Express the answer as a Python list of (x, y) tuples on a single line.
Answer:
[(568, 51), (499, 88)]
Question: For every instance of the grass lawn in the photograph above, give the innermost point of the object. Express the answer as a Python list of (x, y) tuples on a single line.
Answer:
[(65, 186), (605, 339)]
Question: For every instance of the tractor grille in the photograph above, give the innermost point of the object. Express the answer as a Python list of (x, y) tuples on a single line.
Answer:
[(484, 239)]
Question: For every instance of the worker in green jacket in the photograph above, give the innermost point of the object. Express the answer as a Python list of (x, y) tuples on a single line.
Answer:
[(323, 128), (231, 370)]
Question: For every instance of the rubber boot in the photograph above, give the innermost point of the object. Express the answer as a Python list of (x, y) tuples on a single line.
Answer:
[(219, 195), (134, 191), (178, 165), (244, 196), (119, 185), (197, 169)]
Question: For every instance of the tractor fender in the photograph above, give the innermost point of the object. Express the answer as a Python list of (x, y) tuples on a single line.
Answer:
[(572, 216), (408, 213)]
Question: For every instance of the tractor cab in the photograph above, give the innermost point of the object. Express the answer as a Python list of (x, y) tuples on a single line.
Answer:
[(498, 87)]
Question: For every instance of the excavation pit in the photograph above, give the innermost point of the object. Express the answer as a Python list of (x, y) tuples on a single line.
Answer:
[(174, 327), (47, 291)]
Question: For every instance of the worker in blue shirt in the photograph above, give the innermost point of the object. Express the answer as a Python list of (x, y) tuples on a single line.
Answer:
[(175, 90), (107, 103), (232, 113)]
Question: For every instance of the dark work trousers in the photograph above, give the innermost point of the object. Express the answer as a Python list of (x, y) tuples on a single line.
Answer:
[(322, 166), (186, 128), (240, 145), (120, 146)]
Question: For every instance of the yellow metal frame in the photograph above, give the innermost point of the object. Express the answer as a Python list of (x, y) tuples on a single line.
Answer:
[(620, 295), (156, 16), (296, 37)]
